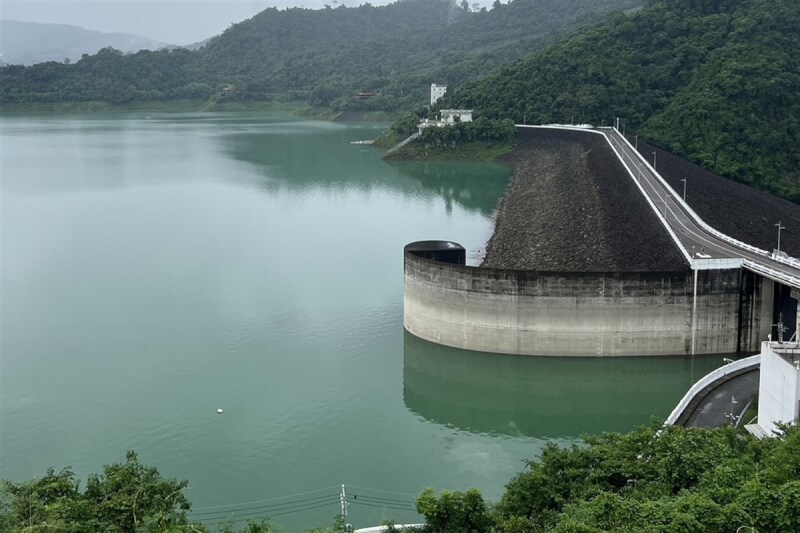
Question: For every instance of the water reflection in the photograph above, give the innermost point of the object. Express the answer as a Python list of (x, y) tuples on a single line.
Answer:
[(545, 397), (272, 152), (297, 156), (472, 185)]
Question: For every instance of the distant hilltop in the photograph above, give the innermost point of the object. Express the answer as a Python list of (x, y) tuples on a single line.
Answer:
[(28, 43)]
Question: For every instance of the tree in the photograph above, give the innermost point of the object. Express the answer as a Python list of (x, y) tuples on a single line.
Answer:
[(125, 497), (454, 512)]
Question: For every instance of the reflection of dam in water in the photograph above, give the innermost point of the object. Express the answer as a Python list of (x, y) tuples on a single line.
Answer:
[(542, 396)]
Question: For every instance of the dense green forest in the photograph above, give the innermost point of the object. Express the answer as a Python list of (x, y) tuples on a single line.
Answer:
[(650, 480), (647, 481), (324, 57), (715, 81)]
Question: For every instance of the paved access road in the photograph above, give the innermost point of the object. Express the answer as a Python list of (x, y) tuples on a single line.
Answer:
[(726, 403), (697, 241)]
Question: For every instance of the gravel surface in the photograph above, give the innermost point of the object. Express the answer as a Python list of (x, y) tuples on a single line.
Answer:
[(571, 207), (733, 208)]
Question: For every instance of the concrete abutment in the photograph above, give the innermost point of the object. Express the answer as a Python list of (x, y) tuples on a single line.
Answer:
[(584, 314)]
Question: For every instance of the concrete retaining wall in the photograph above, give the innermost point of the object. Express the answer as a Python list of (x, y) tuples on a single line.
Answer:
[(575, 314)]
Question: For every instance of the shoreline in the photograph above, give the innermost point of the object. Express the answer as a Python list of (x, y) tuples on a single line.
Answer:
[(472, 151), (295, 108)]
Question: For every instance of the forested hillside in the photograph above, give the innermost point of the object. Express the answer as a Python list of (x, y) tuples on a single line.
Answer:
[(715, 81), (322, 56)]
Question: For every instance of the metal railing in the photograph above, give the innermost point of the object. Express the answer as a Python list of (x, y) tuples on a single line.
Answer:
[(649, 200), (752, 265), (686, 207), (748, 263)]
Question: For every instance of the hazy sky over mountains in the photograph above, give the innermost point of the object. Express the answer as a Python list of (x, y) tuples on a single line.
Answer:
[(171, 21)]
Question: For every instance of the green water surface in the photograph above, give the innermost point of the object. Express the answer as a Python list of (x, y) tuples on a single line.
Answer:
[(156, 268)]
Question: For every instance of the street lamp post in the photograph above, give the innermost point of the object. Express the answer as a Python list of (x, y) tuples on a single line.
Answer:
[(654, 160), (636, 141), (779, 233), (684, 189)]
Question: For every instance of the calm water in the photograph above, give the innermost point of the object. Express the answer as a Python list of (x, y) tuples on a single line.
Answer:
[(157, 268)]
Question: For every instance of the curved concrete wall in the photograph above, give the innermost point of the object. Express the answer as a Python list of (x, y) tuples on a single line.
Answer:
[(577, 314), (706, 384)]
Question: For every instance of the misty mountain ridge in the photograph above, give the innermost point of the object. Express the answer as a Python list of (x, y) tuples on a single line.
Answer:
[(28, 43)]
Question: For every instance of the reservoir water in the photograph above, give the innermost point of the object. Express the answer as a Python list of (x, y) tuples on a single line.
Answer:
[(157, 268)]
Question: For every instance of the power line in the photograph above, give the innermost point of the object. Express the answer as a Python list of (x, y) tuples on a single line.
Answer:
[(387, 506), (384, 491), (262, 514), (275, 506), (378, 499), (281, 505), (306, 509), (336, 487)]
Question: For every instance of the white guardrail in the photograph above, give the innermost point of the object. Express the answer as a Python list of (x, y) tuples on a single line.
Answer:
[(708, 379), (763, 269), (772, 273), (791, 261), (647, 198), (383, 529)]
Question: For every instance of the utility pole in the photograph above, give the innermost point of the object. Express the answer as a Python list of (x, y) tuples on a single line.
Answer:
[(684, 189), (781, 327), (779, 233), (345, 506)]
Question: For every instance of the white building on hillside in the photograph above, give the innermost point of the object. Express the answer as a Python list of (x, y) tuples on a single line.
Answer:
[(437, 91), (451, 116), (447, 117)]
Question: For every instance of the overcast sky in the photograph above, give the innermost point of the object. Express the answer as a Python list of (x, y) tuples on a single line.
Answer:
[(170, 21)]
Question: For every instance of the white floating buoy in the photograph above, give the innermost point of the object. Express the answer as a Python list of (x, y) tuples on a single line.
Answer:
[(219, 411)]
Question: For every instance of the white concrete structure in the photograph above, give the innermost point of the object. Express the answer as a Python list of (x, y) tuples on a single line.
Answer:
[(447, 117), (583, 313), (383, 529), (451, 116), (437, 91), (779, 385)]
